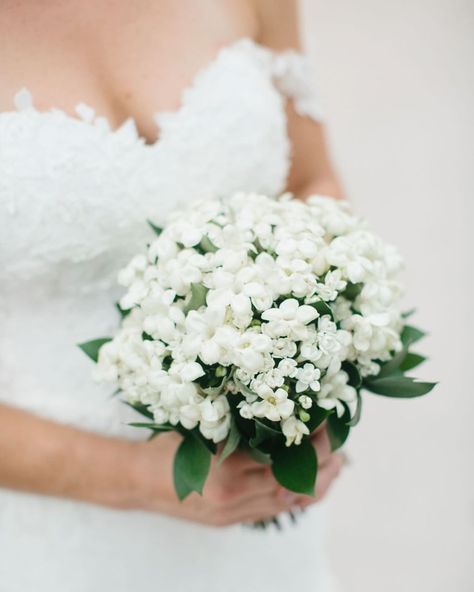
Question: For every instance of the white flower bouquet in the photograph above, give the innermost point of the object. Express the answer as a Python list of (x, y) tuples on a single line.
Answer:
[(250, 321)]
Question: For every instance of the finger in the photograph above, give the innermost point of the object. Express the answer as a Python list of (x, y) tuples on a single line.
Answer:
[(263, 508), (241, 461), (320, 428), (258, 482), (323, 445), (231, 491), (327, 474)]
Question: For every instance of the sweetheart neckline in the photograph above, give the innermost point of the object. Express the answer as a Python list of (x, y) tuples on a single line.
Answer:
[(86, 114)]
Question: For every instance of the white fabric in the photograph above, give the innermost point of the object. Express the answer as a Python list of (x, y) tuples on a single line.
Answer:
[(74, 199)]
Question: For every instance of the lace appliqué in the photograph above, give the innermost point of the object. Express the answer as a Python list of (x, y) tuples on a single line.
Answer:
[(293, 77)]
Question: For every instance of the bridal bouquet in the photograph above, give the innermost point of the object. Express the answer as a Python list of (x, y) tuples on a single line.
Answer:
[(250, 321)]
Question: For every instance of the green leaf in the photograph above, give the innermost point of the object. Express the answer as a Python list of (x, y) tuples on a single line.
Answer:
[(402, 387), (91, 348), (214, 391), (352, 291), (190, 467), (358, 411), (323, 308), (207, 245), (411, 361), (156, 229), (122, 311), (140, 408), (209, 444), (156, 427), (295, 467), (408, 313), (338, 429), (261, 457), (243, 388), (393, 365), (411, 335), (198, 297), (355, 378), (232, 442), (317, 416), (263, 432)]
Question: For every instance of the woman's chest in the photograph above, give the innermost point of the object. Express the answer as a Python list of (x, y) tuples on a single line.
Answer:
[(72, 188), (128, 59)]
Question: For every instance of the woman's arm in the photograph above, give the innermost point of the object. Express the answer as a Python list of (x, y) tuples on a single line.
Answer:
[(53, 459), (41, 456), (311, 168)]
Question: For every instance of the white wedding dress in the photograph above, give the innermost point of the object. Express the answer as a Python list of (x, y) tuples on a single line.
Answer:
[(74, 200)]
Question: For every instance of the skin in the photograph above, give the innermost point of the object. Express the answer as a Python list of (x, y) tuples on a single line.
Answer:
[(131, 59)]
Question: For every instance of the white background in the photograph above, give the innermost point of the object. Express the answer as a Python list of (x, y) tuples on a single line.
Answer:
[(397, 82)]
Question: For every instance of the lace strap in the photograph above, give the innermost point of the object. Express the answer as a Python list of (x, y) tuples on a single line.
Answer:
[(294, 78)]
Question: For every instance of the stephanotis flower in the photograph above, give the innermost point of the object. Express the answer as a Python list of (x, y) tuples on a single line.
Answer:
[(289, 319), (275, 405), (294, 430), (308, 378)]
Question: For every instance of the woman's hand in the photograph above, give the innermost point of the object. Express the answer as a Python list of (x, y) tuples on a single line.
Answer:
[(238, 491)]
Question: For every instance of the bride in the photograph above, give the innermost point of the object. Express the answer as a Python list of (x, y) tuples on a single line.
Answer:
[(112, 112)]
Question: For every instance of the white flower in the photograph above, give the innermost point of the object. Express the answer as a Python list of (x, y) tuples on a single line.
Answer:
[(189, 415), (207, 334), (288, 367), (284, 348), (334, 389), (215, 419), (329, 342), (160, 416), (290, 310), (332, 286), (275, 405), (294, 430), (305, 401), (250, 351), (289, 319), (307, 378), (188, 372), (245, 410), (345, 253), (309, 351), (163, 249), (274, 378), (134, 270), (243, 375)]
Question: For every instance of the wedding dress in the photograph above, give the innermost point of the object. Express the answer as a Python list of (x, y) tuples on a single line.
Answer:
[(74, 199)]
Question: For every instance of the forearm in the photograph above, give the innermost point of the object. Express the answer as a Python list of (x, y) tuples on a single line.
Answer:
[(312, 170), (327, 185), (42, 456)]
